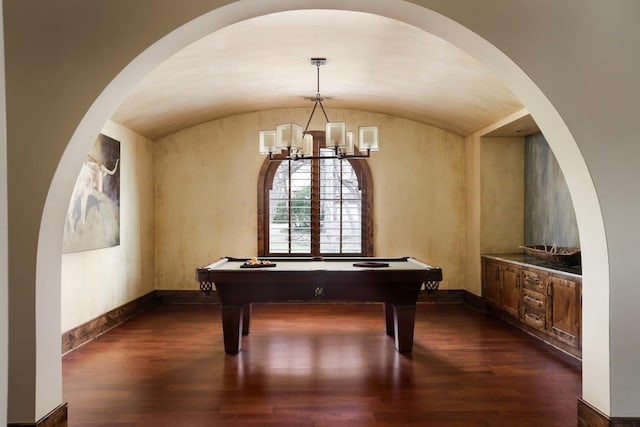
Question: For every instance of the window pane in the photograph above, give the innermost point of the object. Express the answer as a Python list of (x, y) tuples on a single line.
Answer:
[(290, 208), (350, 186), (340, 208), (352, 226)]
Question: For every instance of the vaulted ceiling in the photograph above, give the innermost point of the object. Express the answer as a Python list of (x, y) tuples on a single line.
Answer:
[(373, 63)]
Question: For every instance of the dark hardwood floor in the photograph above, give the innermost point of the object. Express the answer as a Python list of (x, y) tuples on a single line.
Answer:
[(319, 365)]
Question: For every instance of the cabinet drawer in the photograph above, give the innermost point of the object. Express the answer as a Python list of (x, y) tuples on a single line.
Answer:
[(562, 282), (534, 281), (534, 300), (534, 318)]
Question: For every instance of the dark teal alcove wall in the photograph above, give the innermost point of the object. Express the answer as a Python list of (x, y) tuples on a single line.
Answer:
[(549, 216)]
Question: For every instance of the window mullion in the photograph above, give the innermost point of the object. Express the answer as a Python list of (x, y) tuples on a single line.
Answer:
[(341, 208), (289, 209), (315, 202)]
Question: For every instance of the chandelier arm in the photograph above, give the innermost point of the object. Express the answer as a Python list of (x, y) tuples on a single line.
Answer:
[(306, 128), (338, 156), (323, 112)]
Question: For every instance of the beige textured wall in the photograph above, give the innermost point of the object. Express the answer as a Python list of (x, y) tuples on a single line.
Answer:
[(419, 197), (502, 194), (94, 282), (206, 197), (473, 268)]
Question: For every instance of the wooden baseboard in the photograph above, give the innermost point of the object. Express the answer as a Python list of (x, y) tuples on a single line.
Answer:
[(88, 331), (474, 301), (453, 296), (185, 297), (55, 418), (588, 416), (92, 329), (442, 296)]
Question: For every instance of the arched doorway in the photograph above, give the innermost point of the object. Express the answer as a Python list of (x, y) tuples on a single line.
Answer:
[(554, 128)]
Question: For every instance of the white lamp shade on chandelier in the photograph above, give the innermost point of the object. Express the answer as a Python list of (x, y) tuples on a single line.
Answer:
[(268, 142), (368, 138), (336, 134), (289, 135), (298, 143), (350, 149), (307, 145)]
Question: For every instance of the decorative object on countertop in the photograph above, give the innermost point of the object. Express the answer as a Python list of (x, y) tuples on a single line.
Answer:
[(567, 256)]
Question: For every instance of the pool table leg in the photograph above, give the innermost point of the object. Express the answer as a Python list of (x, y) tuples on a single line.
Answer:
[(388, 317), (246, 316), (232, 328), (404, 319)]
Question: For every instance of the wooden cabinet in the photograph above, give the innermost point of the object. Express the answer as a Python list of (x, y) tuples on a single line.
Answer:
[(501, 286), (492, 283), (511, 289), (541, 300), (565, 309)]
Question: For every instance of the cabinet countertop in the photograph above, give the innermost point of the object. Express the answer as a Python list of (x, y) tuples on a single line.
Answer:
[(530, 261)]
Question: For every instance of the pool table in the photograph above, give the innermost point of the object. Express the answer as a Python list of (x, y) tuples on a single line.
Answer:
[(395, 282)]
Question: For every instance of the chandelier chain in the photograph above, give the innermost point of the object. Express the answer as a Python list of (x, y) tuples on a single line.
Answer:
[(317, 63)]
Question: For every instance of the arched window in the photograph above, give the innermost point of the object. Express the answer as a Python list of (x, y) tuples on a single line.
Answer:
[(316, 207)]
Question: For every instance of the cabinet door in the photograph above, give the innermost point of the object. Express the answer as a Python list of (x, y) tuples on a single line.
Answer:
[(511, 290), (492, 283), (565, 309)]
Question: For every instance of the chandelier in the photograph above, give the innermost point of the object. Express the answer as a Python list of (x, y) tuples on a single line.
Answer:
[(297, 144)]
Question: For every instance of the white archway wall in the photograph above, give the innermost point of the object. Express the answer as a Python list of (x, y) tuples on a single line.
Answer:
[(77, 74), (600, 106), (70, 102)]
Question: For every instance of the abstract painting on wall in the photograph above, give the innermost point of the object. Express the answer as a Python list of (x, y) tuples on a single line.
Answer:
[(93, 217)]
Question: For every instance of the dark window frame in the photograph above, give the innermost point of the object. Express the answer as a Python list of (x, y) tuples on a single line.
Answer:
[(365, 182)]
